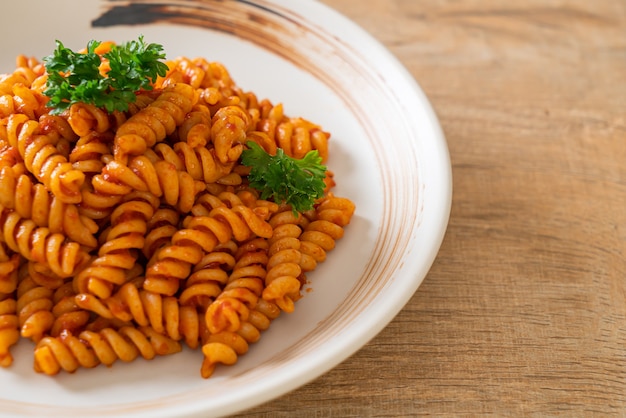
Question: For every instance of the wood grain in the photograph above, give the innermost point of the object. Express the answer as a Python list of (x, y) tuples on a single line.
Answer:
[(524, 310)]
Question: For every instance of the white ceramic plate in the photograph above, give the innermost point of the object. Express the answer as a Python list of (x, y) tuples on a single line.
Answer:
[(388, 154)]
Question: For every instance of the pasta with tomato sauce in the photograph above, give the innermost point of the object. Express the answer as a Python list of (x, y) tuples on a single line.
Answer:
[(135, 232)]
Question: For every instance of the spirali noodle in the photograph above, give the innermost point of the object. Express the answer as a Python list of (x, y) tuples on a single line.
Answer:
[(131, 233)]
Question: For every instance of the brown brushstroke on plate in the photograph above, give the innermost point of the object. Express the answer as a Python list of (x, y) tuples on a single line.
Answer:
[(214, 15)]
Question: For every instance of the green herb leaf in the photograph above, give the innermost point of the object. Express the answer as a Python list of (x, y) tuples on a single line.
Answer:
[(75, 77), (296, 182)]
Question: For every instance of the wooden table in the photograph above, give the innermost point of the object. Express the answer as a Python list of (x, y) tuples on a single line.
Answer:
[(524, 310)]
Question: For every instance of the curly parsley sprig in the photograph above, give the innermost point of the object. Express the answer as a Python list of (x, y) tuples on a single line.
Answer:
[(75, 77), (296, 182)]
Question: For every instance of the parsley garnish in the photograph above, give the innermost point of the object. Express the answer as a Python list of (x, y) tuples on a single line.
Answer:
[(75, 77), (296, 182)]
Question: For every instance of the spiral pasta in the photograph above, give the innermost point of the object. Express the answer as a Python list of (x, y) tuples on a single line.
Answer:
[(9, 328), (161, 227), (38, 144), (319, 236), (201, 163), (9, 324), (207, 280), (236, 317), (153, 123), (283, 280), (201, 234), (89, 349), (90, 151), (31, 200), (39, 244), (34, 309), (199, 73), (68, 316), (165, 315), (196, 128), (228, 132), (86, 118), (9, 265), (19, 92), (127, 234), (145, 173), (118, 255)]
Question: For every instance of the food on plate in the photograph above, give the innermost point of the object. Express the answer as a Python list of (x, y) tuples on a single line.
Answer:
[(147, 204)]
